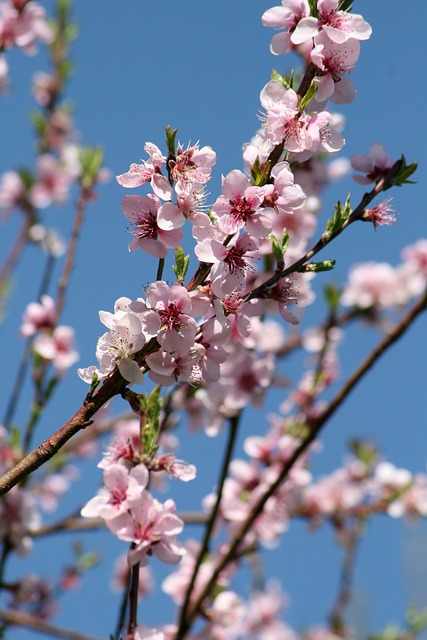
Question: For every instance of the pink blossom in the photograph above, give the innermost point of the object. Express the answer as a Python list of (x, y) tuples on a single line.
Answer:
[(294, 289), (117, 346), (371, 284), (121, 487), (176, 468), (152, 527), (148, 235), (240, 206), (285, 17), (334, 60), (23, 28), (415, 256), (48, 240), (338, 25), (301, 134), (225, 616), (124, 445), (168, 368), (231, 263), (50, 489), (176, 584), (57, 347), (284, 195), (331, 494), (37, 316), (18, 518), (4, 72), (380, 215), (53, 182), (44, 85), (6, 451), (191, 166), (148, 171), (262, 614), (375, 165), (11, 191), (171, 310)]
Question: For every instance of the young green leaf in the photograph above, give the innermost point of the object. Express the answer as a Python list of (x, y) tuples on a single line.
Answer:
[(170, 139), (340, 215)]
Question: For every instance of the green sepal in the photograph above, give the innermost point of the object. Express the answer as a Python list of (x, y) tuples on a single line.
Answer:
[(345, 5), (285, 81), (366, 452), (15, 438), (260, 173), (170, 139), (87, 561), (308, 96), (91, 161), (416, 619), (181, 264), (404, 172), (340, 215), (150, 424), (313, 7), (278, 247), (27, 177), (317, 267), (332, 296)]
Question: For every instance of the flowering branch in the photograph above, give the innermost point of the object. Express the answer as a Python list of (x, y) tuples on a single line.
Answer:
[(28, 621), (315, 428)]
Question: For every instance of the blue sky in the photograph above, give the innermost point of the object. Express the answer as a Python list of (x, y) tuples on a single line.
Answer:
[(199, 66)]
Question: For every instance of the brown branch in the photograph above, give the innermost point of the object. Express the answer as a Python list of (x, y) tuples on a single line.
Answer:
[(71, 252), (17, 247), (22, 619), (114, 385), (327, 237), (315, 427)]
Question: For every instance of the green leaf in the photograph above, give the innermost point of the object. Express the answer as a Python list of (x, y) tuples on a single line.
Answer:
[(260, 173), (404, 172), (332, 296), (313, 7), (366, 452), (285, 81), (15, 438), (181, 264), (27, 177), (276, 248), (416, 619), (91, 160), (340, 215), (150, 424), (307, 97), (170, 139)]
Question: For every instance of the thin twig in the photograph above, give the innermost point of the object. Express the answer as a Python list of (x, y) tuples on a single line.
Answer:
[(71, 251), (204, 548), (22, 619)]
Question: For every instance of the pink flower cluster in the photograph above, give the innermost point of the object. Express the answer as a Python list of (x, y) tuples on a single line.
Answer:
[(22, 24), (127, 506), (53, 343), (379, 285), (331, 41)]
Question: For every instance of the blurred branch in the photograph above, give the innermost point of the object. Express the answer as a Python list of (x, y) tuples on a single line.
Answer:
[(22, 619)]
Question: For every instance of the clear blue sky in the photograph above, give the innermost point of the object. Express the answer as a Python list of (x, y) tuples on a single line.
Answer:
[(199, 66)]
